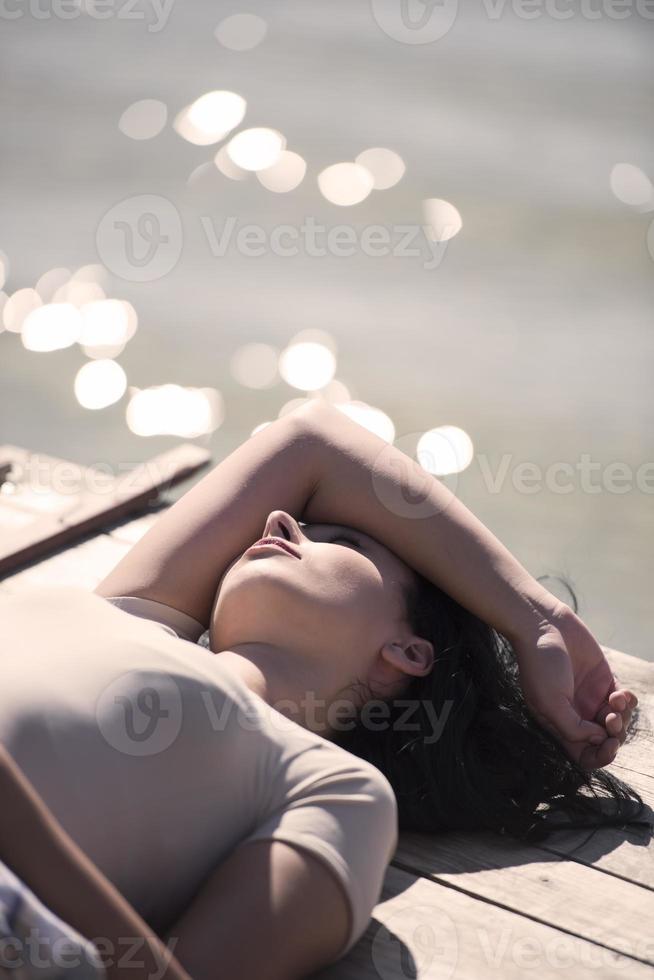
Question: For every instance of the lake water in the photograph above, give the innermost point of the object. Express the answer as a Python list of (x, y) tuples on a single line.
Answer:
[(534, 331)]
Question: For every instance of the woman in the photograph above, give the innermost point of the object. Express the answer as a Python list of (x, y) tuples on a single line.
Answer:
[(216, 792)]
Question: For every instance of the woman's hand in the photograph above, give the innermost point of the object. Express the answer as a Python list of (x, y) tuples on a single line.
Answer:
[(572, 691)]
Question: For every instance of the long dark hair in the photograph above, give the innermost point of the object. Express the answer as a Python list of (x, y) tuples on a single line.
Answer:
[(492, 766)]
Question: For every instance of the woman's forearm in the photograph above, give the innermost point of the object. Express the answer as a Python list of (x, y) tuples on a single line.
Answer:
[(35, 846), (362, 481)]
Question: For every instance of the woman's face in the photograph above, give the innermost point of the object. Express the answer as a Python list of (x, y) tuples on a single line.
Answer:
[(339, 595)]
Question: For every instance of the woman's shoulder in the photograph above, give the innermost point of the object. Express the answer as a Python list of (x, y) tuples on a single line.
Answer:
[(173, 620)]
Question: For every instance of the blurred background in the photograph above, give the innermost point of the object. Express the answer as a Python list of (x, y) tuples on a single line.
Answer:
[(194, 235)]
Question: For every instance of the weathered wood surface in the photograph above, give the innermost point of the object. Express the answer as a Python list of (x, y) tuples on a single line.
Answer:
[(46, 500), (463, 905)]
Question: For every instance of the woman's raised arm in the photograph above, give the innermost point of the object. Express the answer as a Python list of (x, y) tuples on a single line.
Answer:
[(181, 559), (363, 482), (322, 467)]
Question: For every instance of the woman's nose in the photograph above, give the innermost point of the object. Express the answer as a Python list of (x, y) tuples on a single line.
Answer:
[(282, 525)]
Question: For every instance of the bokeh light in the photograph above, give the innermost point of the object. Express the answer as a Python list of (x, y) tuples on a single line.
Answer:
[(132, 318), (18, 306), (79, 292), (99, 384), (105, 327), (284, 175), (211, 117), (241, 32), (335, 392), (386, 166), (51, 327), (442, 218), (48, 284), (345, 184), (172, 410), (144, 119), (200, 176), (4, 269), (307, 365), (227, 167), (255, 365), (316, 336), (445, 450), (369, 417), (291, 406), (256, 149), (631, 185), (94, 272)]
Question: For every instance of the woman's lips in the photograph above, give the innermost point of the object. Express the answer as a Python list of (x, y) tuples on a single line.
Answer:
[(274, 543)]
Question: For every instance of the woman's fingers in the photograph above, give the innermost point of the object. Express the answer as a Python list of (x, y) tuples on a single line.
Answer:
[(613, 723), (622, 699), (615, 714), (623, 703), (598, 756), (618, 700)]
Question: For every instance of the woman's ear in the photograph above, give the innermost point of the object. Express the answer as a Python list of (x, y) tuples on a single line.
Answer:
[(414, 655)]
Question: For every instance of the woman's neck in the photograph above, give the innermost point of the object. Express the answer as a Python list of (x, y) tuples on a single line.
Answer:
[(290, 684)]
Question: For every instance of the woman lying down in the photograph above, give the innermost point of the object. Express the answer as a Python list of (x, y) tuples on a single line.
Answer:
[(378, 660)]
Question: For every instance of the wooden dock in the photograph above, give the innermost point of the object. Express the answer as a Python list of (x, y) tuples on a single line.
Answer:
[(471, 906)]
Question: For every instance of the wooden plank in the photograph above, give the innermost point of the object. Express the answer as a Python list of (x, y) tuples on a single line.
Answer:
[(49, 502), (637, 753), (627, 854), (425, 930), (631, 670), (530, 881), (643, 784), (83, 566)]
